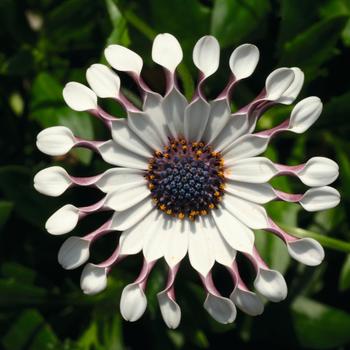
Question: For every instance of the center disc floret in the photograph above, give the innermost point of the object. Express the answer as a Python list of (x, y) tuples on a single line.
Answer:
[(186, 179)]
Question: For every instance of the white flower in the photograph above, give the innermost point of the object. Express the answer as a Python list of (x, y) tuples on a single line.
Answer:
[(188, 178)]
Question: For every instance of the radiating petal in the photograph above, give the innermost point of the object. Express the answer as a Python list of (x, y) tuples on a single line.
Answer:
[(278, 82), (166, 51), (123, 59), (196, 117), (320, 198), (307, 251), (319, 171), (115, 154), (93, 279), (170, 310), (103, 81), (206, 55), (247, 301), (253, 170), (74, 252), (176, 246), (221, 309), (257, 193), (292, 92), (130, 217), (55, 141), (251, 214), (200, 247), (219, 116), (243, 61), (131, 240), (52, 181), (304, 114), (174, 105), (116, 178), (63, 220), (236, 126), (245, 147), (79, 97), (271, 285), (236, 234), (125, 137), (127, 196), (133, 302), (155, 242)]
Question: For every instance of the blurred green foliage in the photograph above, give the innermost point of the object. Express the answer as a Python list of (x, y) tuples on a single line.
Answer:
[(46, 43)]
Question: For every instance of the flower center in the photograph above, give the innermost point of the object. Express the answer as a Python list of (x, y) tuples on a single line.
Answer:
[(186, 179)]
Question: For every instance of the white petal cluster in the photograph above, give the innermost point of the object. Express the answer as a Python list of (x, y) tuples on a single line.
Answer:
[(226, 230)]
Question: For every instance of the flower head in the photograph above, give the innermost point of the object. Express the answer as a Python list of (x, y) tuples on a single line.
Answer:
[(188, 178)]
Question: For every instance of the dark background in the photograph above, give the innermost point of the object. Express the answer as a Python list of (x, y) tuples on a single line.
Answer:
[(45, 44)]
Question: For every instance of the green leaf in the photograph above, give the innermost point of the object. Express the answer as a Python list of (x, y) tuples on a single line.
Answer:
[(5, 211), (120, 33), (16, 183), (305, 49), (18, 272), (344, 278), (234, 21), (319, 326), (30, 331)]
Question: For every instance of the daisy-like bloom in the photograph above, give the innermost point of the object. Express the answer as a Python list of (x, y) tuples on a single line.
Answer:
[(187, 178)]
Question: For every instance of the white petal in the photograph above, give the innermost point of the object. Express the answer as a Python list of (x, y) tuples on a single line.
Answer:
[(177, 243), (170, 310), (133, 302), (55, 141), (79, 97), (245, 147), (253, 170), (93, 279), (116, 178), (236, 126), (196, 117), (200, 247), (251, 214), (166, 51), (243, 61), (52, 181), (131, 240), (156, 241), (221, 309), (143, 125), (103, 81), (130, 217), (74, 252), (123, 59), (174, 105), (63, 220), (292, 92), (127, 196), (271, 284), (219, 115), (319, 171), (247, 301), (278, 82), (122, 135), (115, 154), (320, 198), (304, 114), (236, 234), (307, 251), (206, 55), (257, 193)]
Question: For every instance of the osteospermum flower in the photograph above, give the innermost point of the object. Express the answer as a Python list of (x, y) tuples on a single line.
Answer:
[(187, 178)]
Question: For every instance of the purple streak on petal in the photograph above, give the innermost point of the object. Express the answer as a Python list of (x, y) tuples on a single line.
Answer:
[(277, 129), (226, 93), (169, 289), (127, 105), (279, 232), (99, 232), (209, 284), (96, 207), (288, 197), (85, 181), (93, 145), (141, 280)]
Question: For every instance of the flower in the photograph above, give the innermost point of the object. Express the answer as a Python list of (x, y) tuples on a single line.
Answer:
[(188, 178)]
